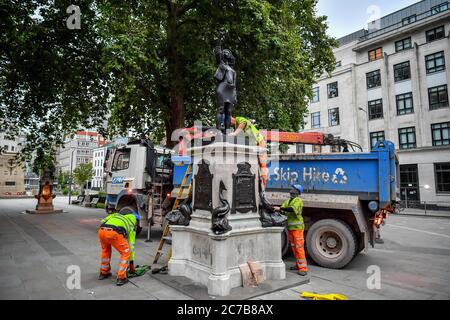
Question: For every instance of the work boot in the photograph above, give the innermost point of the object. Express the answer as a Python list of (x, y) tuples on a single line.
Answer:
[(302, 273), (379, 241), (121, 282), (103, 276)]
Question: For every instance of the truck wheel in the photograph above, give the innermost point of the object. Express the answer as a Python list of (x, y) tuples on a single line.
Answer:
[(131, 209), (285, 243), (331, 243)]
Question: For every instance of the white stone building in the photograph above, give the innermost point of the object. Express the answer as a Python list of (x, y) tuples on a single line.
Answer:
[(391, 82), (78, 150), (97, 164)]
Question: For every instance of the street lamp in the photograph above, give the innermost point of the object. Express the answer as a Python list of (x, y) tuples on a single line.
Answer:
[(369, 144), (70, 177)]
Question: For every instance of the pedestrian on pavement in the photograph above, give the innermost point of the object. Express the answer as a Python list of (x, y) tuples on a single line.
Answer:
[(119, 231), (293, 208)]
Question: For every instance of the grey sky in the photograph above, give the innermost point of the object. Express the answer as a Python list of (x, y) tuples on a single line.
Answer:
[(347, 16)]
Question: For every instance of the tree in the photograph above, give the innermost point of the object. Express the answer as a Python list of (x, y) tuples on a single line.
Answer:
[(161, 64), (50, 76), (148, 65), (63, 179), (82, 174)]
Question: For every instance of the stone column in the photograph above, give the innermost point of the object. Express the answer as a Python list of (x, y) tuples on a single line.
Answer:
[(213, 260)]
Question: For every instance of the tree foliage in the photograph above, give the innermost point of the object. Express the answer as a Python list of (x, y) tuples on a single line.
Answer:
[(83, 173), (149, 64), (50, 76)]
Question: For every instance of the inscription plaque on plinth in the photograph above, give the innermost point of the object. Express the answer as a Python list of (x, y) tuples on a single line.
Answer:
[(244, 198), (203, 187)]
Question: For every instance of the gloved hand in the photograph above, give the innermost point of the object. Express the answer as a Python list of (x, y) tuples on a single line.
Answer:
[(131, 268)]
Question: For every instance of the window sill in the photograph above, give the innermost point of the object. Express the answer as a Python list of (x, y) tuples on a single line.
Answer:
[(373, 88), (434, 109), (435, 72), (400, 81)]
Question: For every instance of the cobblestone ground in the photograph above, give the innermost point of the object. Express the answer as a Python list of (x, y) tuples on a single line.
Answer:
[(36, 250)]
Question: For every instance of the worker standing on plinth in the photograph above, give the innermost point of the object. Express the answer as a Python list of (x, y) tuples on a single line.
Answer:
[(242, 124), (119, 231), (293, 208)]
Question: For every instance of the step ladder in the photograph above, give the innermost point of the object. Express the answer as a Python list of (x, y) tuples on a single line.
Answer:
[(166, 231)]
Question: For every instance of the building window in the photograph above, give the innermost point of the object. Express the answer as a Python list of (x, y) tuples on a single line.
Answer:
[(403, 44), (441, 134), (376, 109), (375, 54), (333, 117), (375, 137), (435, 62), (442, 173), (435, 34), (335, 148), (439, 8), (333, 91), (409, 182), (6, 148), (316, 95), (338, 64), (409, 20), (315, 120), (373, 79), (407, 138), (317, 149), (405, 104), (402, 71), (438, 97), (10, 183), (300, 148)]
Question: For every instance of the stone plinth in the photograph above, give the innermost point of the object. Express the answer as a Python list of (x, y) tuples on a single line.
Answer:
[(213, 260)]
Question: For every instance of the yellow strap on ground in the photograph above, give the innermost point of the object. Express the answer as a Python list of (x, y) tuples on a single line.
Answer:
[(316, 296)]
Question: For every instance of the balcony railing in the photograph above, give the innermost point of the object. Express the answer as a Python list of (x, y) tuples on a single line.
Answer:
[(443, 7)]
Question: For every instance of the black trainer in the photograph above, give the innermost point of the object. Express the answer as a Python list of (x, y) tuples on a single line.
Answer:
[(302, 273), (104, 276), (121, 282)]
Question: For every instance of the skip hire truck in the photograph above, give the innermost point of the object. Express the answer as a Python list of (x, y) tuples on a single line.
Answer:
[(345, 193)]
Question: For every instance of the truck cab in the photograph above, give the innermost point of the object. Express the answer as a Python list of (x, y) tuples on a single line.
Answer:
[(138, 178)]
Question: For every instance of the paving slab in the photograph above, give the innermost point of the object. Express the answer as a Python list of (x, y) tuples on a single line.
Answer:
[(200, 292)]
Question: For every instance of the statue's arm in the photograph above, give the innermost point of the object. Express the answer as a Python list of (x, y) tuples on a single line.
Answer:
[(218, 54)]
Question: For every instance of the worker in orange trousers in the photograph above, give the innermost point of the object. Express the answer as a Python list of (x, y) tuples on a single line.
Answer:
[(118, 231), (293, 208)]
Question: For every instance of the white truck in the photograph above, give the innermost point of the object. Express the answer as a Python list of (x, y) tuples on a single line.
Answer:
[(139, 178)]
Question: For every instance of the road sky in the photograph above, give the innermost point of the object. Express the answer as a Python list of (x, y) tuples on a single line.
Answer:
[(347, 16)]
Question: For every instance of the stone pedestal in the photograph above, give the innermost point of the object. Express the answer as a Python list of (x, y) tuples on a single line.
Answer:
[(213, 260)]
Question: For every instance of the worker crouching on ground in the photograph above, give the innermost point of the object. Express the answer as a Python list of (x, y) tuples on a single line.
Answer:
[(293, 208), (242, 124), (119, 231)]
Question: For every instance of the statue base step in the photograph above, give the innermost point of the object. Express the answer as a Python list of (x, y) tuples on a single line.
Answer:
[(213, 260)]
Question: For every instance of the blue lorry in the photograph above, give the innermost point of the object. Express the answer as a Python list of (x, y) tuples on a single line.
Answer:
[(344, 195)]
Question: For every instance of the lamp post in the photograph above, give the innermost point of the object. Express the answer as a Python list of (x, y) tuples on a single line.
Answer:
[(369, 144), (426, 187), (70, 177)]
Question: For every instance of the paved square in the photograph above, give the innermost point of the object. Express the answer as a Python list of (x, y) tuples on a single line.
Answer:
[(36, 251)]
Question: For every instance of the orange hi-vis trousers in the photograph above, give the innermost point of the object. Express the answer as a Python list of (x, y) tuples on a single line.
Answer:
[(108, 238), (298, 247)]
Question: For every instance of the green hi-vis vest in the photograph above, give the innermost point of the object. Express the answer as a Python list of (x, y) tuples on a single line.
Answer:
[(128, 222), (250, 129), (295, 219)]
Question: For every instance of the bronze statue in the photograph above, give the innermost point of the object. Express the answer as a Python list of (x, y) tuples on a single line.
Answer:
[(226, 85)]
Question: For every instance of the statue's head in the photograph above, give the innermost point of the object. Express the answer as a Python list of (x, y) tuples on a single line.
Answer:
[(228, 57)]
